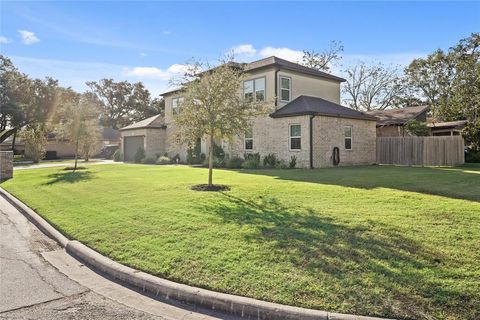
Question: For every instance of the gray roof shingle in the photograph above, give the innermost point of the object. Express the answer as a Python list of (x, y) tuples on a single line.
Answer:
[(398, 116), (306, 105), (152, 122)]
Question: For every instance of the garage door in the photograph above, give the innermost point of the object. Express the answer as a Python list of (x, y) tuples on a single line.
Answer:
[(131, 145)]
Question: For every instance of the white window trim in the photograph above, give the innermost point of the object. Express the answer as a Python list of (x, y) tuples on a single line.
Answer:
[(254, 92), (245, 142), (289, 90), (345, 137), (178, 105), (290, 137)]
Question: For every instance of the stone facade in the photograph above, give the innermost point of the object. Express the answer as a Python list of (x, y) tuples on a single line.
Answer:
[(6, 165)]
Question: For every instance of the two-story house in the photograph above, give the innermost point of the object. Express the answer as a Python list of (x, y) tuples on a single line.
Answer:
[(307, 121)]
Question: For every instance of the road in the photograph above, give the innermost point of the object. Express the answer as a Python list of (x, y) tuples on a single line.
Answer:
[(39, 280)]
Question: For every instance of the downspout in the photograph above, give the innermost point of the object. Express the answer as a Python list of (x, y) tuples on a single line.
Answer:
[(276, 87), (311, 141)]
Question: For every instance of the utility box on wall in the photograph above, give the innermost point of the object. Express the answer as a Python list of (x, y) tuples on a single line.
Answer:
[(6, 165)]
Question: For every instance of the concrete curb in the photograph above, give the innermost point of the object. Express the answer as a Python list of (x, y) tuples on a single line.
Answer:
[(235, 305)]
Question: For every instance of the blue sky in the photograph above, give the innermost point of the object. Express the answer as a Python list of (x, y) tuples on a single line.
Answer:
[(149, 41)]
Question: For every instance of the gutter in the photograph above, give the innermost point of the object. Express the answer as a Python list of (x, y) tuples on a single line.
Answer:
[(276, 87)]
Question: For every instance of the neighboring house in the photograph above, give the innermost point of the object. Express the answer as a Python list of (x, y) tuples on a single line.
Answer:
[(391, 122), (450, 128), (307, 121)]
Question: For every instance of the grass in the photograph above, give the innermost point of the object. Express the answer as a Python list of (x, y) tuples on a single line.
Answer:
[(59, 161), (381, 240)]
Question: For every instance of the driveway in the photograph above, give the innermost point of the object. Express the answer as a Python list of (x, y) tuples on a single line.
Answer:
[(39, 280)]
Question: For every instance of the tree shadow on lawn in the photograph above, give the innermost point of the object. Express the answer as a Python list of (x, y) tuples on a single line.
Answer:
[(458, 182), (373, 269), (69, 177)]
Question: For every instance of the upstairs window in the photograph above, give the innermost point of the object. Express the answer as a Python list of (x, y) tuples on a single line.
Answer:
[(348, 137), (254, 89), (285, 88), (295, 137), (176, 102), (248, 141)]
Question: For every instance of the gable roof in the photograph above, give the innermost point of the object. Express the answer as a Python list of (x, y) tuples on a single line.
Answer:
[(152, 122), (448, 124), (278, 62), (306, 105), (398, 116)]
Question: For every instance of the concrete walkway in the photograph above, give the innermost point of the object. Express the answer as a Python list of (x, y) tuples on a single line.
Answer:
[(39, 280)]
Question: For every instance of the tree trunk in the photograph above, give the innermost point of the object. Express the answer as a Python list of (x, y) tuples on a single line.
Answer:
[(210, 160), (76, 155), (13, 141)]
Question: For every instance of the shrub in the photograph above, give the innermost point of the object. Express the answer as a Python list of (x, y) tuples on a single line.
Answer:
[(218, 152), (117, 156), (252, 161), (293, 162), (163, 160), (139, 155), (270, 160), (417, 128), (281, 164), (235, 163), (472, 156), (176, 158), (148, 160), (217, 162)]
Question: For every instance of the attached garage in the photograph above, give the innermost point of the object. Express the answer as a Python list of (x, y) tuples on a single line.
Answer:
[(149, 134), (131, 145)]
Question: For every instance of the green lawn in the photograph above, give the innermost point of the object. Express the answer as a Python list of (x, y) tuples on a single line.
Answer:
[(385, 241)]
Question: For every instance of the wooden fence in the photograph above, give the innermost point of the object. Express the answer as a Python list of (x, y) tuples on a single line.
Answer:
[(422, 151)]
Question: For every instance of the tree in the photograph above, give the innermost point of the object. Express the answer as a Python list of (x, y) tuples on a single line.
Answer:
[(123, 102), (322, 60), (370, 87), (35, 142), (25, 102), (213, 107), (80, 125), (417, 128), (431, 79)]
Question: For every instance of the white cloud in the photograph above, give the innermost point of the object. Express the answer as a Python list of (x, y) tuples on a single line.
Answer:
[(154, 72), (244, 49), (167, 32), (28, 37), (284, 53), (143, 54), (4, 40)]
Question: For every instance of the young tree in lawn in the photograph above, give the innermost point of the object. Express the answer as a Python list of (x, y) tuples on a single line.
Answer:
[(35, 142), (214, 108), (80, 124)]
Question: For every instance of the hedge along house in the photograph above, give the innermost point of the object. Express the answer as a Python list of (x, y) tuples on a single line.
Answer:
[(149, 134), (307, 120)]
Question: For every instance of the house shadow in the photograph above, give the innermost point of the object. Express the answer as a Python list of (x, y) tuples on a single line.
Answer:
[(69, 177), (461, 182), (362, 260)]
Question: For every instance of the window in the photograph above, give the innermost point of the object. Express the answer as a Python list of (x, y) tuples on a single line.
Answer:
[(176, 102), (254, 89), (348, 137), (295, 137), (249, 139), (285, 88)]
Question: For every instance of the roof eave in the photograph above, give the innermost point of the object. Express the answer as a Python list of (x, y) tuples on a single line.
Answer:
[(311, 113)]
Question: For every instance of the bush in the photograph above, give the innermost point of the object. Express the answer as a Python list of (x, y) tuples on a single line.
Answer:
[(417, 128), (270, 161), (217, 163), (218, 152), (163, 160), (139, 155), (235, 163), (176, 158), (281, 164), (252, 161), (472, 156), (148, 160), (293, 162), (117, 156)]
